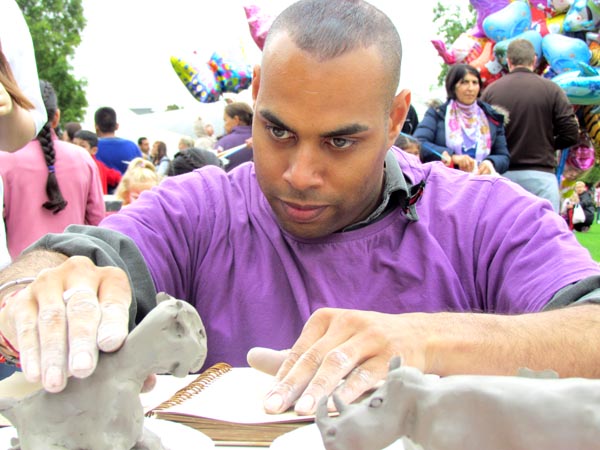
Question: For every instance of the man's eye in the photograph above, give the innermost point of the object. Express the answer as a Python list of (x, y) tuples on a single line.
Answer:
[(341, 143), (279, 133)]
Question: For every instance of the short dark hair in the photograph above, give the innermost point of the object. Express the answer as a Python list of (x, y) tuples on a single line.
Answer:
[(106, 119), (456, 73), (71, 128), (89, 136), (330, 28), (192, 158), (140, 139)]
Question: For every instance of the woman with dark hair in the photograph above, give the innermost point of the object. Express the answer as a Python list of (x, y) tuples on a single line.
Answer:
[(49, 184), (464, 132), (238, 128)]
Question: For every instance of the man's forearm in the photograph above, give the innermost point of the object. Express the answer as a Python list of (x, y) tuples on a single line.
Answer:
[(565, 340)]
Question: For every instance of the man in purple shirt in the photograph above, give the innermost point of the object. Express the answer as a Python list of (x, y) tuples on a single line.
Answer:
[(333, 249)]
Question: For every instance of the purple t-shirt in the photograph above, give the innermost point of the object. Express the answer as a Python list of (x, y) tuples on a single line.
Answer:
[(480, 244)]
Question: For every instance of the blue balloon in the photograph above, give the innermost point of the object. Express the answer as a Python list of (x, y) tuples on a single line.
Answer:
[(564, 53), (532, 36), (510, 21), (582, 86)]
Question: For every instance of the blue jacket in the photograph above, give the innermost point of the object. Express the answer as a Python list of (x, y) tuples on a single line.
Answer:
[(431, 133)]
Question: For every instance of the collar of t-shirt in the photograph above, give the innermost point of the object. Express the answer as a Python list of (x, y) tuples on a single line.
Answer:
[(396, 190)]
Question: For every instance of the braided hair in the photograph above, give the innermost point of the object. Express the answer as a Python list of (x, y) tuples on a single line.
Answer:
[(56, 201)]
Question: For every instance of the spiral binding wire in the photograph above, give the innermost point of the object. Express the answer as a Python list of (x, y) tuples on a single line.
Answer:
[(196, 386)]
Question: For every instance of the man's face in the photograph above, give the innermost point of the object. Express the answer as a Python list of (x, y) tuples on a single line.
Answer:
[(145, 146), (320, 136), (85, 144)]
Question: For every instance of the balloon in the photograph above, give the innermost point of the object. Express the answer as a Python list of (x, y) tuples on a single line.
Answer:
[(581, 86), (581, 157), (563, 53), (463, 50), (532, 36), (200, 81), (232, 76), (259, 22), (508, 22), (591, 123), (484, 8), (582, 15)]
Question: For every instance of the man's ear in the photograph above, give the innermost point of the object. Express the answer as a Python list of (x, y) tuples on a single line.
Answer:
[(398, 113), (255, 82)]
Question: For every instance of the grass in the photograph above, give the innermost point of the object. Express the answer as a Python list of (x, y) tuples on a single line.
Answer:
[(591, 240)]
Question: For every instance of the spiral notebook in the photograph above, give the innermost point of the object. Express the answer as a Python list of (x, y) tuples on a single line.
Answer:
[(226, 404)]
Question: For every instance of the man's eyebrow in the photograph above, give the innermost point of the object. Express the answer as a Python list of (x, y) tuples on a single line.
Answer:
[(268, 115), (346, 130), (341, 131)]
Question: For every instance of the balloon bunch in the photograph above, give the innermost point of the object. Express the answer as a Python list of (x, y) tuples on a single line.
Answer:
[(207, 82), (565, 36)]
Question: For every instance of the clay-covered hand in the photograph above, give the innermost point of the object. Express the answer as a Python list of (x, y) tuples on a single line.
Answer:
[(340, 344), (59, 322), (464, 162), (486, 167), (6, 103)]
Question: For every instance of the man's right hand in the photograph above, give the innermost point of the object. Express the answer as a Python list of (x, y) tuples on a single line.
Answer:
[(59, 322)]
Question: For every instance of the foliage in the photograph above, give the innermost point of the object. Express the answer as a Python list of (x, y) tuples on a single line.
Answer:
[(173, 107), (55, 27), (451, 24)]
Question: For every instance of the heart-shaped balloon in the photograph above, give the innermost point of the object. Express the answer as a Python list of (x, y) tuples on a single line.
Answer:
[(510, 21), (564, 53), (532, 36)]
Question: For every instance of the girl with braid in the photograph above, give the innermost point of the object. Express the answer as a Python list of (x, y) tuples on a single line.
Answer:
[(48, 184)]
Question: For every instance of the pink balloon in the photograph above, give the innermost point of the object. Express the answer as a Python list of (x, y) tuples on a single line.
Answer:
[(259, 22)]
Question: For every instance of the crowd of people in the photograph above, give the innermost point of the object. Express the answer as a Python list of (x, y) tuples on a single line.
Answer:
[(494, 131), (322, 250)]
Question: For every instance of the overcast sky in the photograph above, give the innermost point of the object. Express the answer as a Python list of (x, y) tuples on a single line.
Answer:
[(127, 44)]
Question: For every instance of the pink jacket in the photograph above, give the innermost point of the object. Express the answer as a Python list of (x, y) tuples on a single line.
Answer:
[(24, 173)]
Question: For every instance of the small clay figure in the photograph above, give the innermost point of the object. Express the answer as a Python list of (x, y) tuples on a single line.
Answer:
[(468, 412), (104, 411)]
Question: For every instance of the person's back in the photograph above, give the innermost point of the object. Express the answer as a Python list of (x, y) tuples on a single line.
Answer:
[(113, 151), (541, 121), (33, 171)]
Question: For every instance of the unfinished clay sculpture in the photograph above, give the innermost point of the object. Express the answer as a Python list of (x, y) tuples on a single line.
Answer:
[(104, 411), (468, 412)]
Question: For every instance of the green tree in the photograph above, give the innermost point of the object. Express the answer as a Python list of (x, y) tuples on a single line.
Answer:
[(55, 27), (452, 21)]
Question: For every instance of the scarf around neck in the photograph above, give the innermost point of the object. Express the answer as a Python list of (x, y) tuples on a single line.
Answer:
[(468, 130)]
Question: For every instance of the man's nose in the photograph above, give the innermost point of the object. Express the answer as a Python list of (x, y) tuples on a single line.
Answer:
[(305, 168)]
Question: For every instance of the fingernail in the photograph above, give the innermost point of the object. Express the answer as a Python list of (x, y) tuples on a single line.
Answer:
[(305, 405), (54, 379), (82, 362), (274, 403), (110, 338)]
